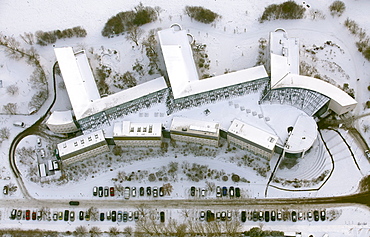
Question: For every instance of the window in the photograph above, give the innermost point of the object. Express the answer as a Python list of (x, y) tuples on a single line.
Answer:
[(96, 136), (82, 141), (144, 129), (132, 129), (89, 138), (150, 128), (75, 143), (139, 129)]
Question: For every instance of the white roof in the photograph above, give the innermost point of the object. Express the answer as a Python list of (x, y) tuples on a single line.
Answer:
[(329, 90), (195, 126), (303, 135), (253, 134), (78, 78), (128, 129), (80, 142), (124, 96), (224, 80), (60, 117), (178, 58)]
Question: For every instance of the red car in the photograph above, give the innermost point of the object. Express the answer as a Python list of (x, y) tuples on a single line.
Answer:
[(111, 190), (33, 215), (28, 212)]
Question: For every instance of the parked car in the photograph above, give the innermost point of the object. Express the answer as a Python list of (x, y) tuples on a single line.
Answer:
[(60, 216), (66, 215), (203, 192), (106, 191), (228, 214), (127, 193), (218, 216), (19, 214), (192, 191), (260, 216), (148, 191), (133, 191), (39, 215), (87, 216), (55, 216), (81, 216), (111, 191), (224, 191), (162, 216), (267, 216), (33, 215), (72, 216), (95, 191), (323, 215), (130, 216), (136, 215), (42, 153), (109, 215), (39, 142), (279, 216), (114, 216), (255, 216), (218, 191), (202, 215), (124, 216), (119, 216), (231, 191), (300, 216), (243, 216), (161, 192), (294, 216), (316, 215), (100, 191), (28, 215), (141, 191), (309, 216), (155, 192), (223, 216), (13, 214), (237, 192), (6, 190), (74, 203), (102, 216), (273, 215)]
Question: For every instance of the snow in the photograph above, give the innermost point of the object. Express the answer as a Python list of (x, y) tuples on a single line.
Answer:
[(232, 43)]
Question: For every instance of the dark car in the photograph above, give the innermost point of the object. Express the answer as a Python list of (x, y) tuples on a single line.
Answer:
[(119, 216), (267, 216), (237, 192), (13, 214), (124, 216), (106, 191), (323, 215), (231, 191), (28, 214), (210, 216), (255, 216), (66, 215), (148, 191), (192, 191), (33, 215), (102, 216), (273, 215), (100, 191), (294, 216), (316, 215), (111, 191), (224, 191), (74, 203), (141, 191), (81, 216), (161, 192), (114, 216), (136, 215), (243, 216), (6, 190), (95, 191), (161, 214)]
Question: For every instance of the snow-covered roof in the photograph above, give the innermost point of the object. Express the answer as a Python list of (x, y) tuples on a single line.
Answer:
[(128, 129), (178, 58), (60, 117), (195, 126), (303, 135), (124, 96), (78, 78), (341, 101), (80, 142), (253, 134)]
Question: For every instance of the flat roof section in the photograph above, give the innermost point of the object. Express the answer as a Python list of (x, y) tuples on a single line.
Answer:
[(303, 135), (128, 129), (178, 58), (253, 134), (124, 96), (194, 126), (80, 142), (60, 117), (78, 79)]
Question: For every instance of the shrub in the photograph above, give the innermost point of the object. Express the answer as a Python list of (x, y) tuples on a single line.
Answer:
[(201, 14), (337, 8), (124, 21), (50, 37), (285, 10)]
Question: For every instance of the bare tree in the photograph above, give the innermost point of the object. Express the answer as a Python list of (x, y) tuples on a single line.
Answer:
[(128, 230), (12, 188), (28, 38), (134, 34), (366, 128), (95, 231), (113, 231), (80, 231), (4, 133), (10, 108), (211, 186), (94, 213), (12, 90), (167, 189)]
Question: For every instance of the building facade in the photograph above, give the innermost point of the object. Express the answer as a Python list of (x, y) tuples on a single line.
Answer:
[(62, 122), (130, 134), (82, 147)]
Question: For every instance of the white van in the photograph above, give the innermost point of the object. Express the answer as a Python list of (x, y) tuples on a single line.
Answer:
[(19, 124)]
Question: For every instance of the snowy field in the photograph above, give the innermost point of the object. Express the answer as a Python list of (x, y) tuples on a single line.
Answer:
[(232, 44)]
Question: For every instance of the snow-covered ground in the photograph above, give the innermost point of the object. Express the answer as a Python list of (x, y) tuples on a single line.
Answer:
[(232, 44)]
